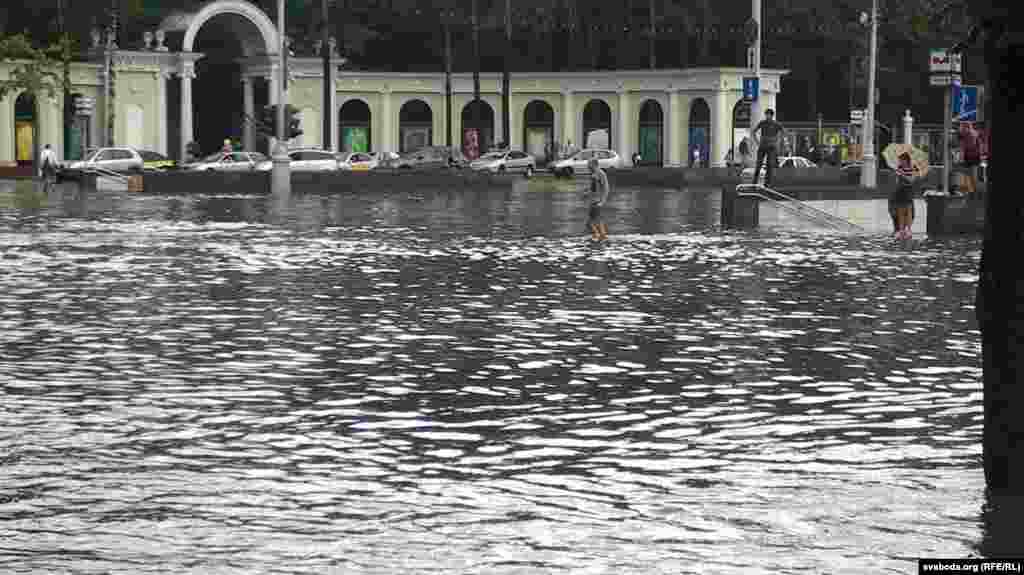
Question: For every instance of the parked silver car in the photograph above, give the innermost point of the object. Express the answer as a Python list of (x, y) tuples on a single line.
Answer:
[(306, 160), (505, 161), (428, 157), (105, 159), (577, 163), (227, 162)]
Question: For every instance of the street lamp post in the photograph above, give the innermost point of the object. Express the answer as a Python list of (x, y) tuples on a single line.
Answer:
[(755, 105), (281, 176), (869, 171)]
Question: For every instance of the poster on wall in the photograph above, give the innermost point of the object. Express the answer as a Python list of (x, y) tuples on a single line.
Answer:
[(355, 139), (470, 144)]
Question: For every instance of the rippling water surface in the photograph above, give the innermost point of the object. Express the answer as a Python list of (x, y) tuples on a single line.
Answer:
[(439, 382)]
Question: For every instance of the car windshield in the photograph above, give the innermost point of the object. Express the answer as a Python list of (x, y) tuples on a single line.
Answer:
[(583, 155), (151, 156), (258, 157), (493, 156)]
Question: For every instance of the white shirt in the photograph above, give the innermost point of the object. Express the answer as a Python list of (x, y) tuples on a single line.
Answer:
[(47, 156)]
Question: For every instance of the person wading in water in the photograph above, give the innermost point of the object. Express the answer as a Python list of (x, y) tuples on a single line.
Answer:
[(598, 195)]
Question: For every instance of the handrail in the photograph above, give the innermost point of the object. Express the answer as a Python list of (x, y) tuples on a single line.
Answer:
[(106, 173), (788, 202)]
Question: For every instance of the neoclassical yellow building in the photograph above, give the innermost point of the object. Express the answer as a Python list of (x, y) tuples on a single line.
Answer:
[(160, 99)]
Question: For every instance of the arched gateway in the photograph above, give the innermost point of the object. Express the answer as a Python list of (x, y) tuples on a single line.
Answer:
[(226, 73)]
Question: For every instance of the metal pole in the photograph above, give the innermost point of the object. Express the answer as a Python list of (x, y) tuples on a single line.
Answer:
[(755, 105), (280, 177), (653, 43), (947, 126), (506, 82), (476, 77), (448, 81), (868, 173), (325, 48)]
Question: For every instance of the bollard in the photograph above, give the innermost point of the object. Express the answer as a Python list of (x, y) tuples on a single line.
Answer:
[(908, 128)]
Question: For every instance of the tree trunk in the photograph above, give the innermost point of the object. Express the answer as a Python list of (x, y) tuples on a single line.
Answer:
[(999, 307)]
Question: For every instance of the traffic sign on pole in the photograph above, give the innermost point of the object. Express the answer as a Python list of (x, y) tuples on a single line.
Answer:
[(965, 102), (751, 86)]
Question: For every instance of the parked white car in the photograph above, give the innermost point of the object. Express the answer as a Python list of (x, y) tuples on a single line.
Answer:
[(306, 160), (227, 162), (510, 161), (106, 159), (784, 162), (577, 163), (356, 161)]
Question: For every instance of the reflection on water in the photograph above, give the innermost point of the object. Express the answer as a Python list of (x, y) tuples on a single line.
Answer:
[(440, 382)]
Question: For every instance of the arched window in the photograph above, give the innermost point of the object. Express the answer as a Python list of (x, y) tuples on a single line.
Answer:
[(597, 125), (415, 126), (539, 130), (477, 128), (354, 127), (651, 139), (24, 133), (700, 133)]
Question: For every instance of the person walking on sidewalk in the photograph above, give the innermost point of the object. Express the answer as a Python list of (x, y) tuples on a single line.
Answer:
[(48, 168), (767, 145)]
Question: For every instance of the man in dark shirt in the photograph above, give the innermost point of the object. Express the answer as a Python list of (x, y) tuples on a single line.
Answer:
[(767, 145)]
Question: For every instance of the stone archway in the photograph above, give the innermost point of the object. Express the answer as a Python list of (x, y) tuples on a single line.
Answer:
[(246, 10), (215, 94)]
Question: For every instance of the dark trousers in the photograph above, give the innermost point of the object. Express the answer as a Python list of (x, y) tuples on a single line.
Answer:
[(773, 159)]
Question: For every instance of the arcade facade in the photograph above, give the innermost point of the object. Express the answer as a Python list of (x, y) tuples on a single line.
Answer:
[(203, 74)]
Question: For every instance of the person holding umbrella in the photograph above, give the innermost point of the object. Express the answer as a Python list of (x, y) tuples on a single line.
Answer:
[(911, 165)]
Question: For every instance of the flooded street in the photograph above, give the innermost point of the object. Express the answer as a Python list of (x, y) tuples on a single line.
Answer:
[(457, 382)]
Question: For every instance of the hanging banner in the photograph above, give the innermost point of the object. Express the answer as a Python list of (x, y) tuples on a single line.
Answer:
[(470, 143)]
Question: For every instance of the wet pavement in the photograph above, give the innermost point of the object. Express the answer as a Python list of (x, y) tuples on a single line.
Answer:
[(447, 383)]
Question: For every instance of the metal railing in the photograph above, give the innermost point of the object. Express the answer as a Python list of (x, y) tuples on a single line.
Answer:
[(797, 207), (103, 172)]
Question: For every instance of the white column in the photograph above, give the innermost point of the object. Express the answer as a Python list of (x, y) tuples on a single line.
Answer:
[(188, 73), (673, 126), (161, 112), (248, 106), (333, 105), (387, 142), (568, 119), (721, 123), (625, 128), (908, 128)]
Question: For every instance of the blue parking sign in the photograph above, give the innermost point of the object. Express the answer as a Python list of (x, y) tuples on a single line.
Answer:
[(750, 89), (965, 103)]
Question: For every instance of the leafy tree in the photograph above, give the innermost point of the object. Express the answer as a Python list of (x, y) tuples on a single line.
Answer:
[(35, 71)]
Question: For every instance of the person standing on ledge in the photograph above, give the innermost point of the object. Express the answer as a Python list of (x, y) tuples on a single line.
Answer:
[(598, 195), (767, 145)]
